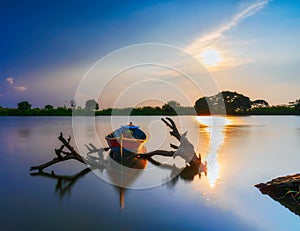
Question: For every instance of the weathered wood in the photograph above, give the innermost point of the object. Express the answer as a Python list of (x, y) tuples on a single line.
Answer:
[(67, 144), (72, 154), (58, 151), (195, 161), (171, 124), (174, 146), (61, 155), (157, 152), (285, 190), (55, 161)]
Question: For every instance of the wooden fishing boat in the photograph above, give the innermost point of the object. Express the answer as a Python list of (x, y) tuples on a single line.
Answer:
[(128, 138)]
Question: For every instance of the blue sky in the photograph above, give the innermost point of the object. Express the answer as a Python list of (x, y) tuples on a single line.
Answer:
[(46, 48)]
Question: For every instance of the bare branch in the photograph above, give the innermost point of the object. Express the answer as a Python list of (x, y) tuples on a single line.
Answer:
[(66, 155), (171, 124), (91, 160), (174, 146), (55, 161)]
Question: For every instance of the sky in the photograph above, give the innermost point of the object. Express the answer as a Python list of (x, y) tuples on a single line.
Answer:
[(248, 46)]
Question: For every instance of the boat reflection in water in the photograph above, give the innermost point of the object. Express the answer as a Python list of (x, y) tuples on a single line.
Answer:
[(122, 170)]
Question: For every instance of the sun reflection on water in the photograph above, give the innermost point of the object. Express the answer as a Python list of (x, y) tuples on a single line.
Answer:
[(215, 128)]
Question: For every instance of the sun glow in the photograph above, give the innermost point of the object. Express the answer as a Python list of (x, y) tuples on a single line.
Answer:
[(211, 57), (215, 129)]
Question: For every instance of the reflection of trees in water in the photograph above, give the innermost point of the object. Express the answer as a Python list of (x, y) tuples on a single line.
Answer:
[(24, 132)]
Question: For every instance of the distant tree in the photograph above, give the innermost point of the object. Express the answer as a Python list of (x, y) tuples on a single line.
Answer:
[(202, 107), (171, 107), (259, 103), (97, 106), (48, 107), (91, 104), (233, 102), (72, 103), (296, 104), (24, 106), (274, 110), (236, 103), (174, 104)]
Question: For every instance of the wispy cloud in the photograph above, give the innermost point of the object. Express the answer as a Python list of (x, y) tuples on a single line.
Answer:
[(219, 34), (10, 80), (20, 88), (214, 38)]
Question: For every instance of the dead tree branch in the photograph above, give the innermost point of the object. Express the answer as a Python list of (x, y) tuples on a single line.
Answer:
[(61, 154), (99, 161), (195, 161), (156, 152), (171, 124)]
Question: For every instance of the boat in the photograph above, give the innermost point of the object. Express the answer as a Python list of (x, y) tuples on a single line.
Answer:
[(128, 138)]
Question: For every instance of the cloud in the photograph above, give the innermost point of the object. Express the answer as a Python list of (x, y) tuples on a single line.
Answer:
[(219, 34), (20, 88), (10, 80), (212, 39)]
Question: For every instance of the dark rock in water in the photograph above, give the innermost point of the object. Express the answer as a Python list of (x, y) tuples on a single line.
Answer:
[(285, 190)]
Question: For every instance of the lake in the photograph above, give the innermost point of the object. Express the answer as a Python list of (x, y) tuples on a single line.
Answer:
[(240, 152)]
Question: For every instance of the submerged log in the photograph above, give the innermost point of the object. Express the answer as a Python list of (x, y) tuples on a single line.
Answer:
[(285, 190)]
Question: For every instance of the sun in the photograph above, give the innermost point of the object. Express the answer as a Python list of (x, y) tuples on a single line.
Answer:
[(211, 57)]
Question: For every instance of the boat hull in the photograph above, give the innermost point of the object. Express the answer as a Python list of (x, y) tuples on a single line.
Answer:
[(125, 144)]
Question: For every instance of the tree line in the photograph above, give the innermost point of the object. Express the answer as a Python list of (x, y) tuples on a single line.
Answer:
[(234, 103), (231, 103)]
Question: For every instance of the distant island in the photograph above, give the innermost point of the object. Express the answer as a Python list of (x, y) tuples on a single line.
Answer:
[(234, 103)]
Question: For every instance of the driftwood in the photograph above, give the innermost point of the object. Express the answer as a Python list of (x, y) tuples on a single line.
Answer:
[(285, 190), (95, 159), (71, 153), (61, 154), (171, 124), (194, 161)]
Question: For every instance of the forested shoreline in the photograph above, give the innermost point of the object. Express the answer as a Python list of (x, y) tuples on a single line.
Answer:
[(226, 102)]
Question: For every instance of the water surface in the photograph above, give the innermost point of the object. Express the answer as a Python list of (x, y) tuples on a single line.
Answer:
[(240, 151)]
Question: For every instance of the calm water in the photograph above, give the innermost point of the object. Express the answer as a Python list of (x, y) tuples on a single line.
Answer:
[(240, 152)]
